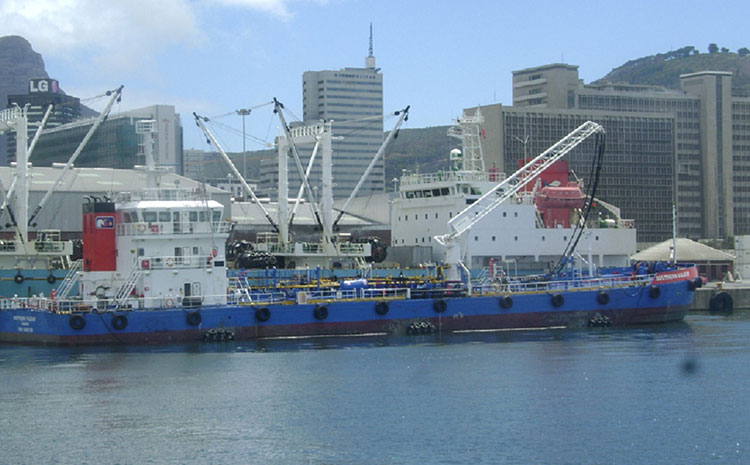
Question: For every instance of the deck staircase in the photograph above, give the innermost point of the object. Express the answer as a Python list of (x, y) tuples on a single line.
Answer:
[(70, 280), (127, 287)]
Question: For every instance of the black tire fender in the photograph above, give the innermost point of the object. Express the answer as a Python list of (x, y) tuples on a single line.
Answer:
[(558, 300), (77, 322), (654, 292), (193, 318), (440, 305), (119, 322), (721, 302), (320, 312), (603, 297), (506, 302), (381, 308), (262, 314)]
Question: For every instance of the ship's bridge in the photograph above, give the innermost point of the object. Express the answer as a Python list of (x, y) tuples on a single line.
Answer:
[(444, 183), (168, 212)]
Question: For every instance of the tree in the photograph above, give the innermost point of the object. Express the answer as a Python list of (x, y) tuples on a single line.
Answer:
[(724, 50), (743, 52), (713, 48)]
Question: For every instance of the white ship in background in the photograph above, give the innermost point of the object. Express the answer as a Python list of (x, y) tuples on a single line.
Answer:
[(529, 233)]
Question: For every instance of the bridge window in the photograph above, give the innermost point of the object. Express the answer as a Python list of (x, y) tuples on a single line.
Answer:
[(164, 217), (149, 217)]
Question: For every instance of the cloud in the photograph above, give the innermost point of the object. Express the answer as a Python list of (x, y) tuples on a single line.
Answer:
[(274, 7), (118, 35), (54, 26)]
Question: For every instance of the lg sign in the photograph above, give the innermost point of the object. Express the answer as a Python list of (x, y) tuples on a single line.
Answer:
[(43, 85)]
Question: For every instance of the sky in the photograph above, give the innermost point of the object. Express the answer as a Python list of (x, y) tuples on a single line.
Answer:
[(213, 57)]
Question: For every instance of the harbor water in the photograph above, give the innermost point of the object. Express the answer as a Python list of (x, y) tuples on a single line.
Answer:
[(659, 395)]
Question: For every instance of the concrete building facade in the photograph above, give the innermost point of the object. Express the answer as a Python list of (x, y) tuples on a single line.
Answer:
[(637, 146), (709, 150)]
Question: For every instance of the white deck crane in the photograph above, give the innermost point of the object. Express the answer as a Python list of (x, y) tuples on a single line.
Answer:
[(115, 96), (509, 187), (200, 122)]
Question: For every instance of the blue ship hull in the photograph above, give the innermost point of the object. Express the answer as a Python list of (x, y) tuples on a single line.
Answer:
[(631, 305)]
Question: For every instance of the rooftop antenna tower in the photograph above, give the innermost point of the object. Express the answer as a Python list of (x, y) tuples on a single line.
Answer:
[(370, 60)]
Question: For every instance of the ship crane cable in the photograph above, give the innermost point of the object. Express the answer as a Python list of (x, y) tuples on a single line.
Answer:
[(594, 174), (393, 134), (201, 121)]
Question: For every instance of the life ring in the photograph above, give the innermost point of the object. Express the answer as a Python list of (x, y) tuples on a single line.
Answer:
[(262, 314), (51, 278), (321, 312), (77, 322), (170, 261), (506, 302), (603, 298), (18, 278), (440, 305), (169, 302), (654, 292), (141, 227), (558, 300), (721, 302), (120, 322), (193, 318), (381, 308)]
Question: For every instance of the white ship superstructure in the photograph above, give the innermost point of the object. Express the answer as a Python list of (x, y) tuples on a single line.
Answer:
[(530, 232)]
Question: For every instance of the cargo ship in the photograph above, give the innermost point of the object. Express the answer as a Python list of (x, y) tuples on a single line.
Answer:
[(154, 271)]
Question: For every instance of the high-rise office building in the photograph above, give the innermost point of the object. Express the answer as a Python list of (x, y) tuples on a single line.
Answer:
[(688, 146), (353, 99)]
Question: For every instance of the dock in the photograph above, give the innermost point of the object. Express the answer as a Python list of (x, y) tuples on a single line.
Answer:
[(739, 291)]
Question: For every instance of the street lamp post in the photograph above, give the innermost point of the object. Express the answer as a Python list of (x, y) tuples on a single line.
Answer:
[(525, 142), (244, 112)]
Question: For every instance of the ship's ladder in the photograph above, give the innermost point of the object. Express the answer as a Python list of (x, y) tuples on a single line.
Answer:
[(70, 280), (484, 275), (127, 287), (243, 286)]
